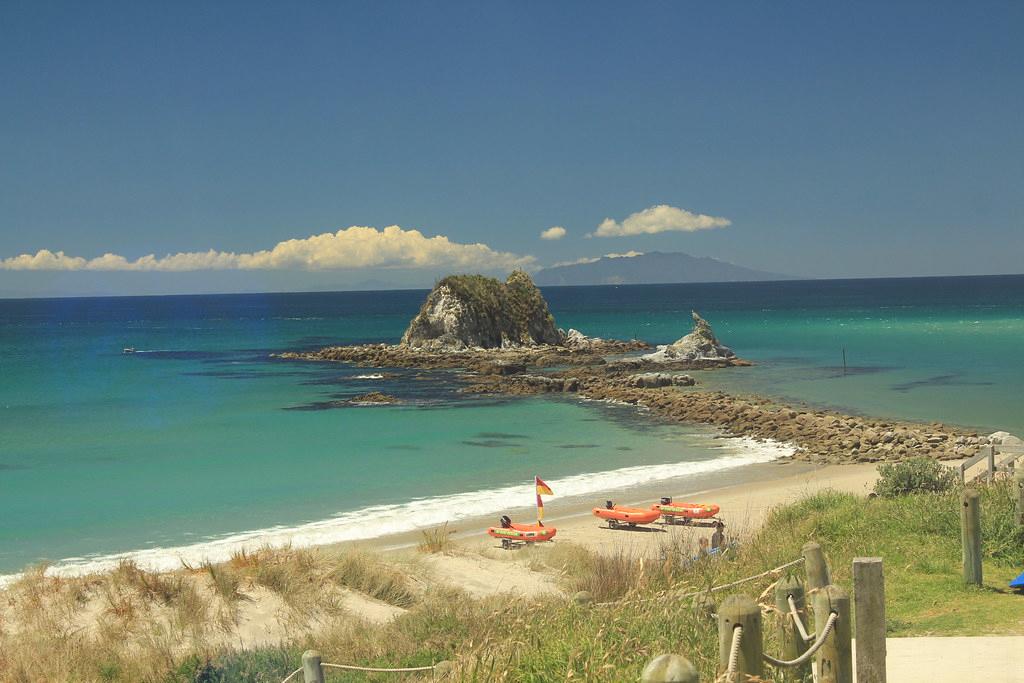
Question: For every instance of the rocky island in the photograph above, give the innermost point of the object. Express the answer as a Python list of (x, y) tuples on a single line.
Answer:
[(480, 323), (504, 335)]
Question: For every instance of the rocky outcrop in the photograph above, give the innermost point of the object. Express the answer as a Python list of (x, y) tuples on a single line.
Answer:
[(574, 339), (700, 345), (473, 311)]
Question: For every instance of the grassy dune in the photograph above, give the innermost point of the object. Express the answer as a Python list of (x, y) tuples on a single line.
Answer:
[(131, 625)]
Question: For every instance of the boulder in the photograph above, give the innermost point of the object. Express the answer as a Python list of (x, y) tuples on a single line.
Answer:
[(1005, 439), (700, 344), (653, 380)]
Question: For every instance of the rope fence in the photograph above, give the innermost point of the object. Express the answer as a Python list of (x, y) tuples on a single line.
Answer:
[(734, 651), (828, 646), (741, 654), (408, 669), (795, 613), (713, 589), (806, 657)]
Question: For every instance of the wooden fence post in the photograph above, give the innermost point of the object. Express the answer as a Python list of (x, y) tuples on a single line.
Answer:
[(1018, 479), (869, 603), (991, 463), (791, 643), (670, 669), (815, 566), (834, 659), (740, 610), (312, 672), (970, 531)]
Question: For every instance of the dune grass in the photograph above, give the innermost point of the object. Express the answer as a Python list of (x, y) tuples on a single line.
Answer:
[(157, 628), (437, 540), (370, 575)]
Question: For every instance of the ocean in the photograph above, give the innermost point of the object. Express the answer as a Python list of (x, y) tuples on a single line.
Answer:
[(201, 442)]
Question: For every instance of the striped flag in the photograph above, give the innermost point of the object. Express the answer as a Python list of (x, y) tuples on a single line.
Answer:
[(542, 490)]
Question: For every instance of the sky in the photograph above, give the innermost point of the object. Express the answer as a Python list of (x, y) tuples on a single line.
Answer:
[(208, 147)]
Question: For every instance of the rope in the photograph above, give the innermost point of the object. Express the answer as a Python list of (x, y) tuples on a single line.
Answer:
[(407, 669), (734, 652), (749, 578), (723, 587), (350, 667), (798, 621), (832, 619)]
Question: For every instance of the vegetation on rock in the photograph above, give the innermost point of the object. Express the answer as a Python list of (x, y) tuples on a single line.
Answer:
[(467, 311)]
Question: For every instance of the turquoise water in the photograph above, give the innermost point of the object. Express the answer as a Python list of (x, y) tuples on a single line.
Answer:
[(201, 438)]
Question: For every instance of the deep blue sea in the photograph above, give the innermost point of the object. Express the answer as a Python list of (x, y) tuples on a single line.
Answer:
[(200, 441)]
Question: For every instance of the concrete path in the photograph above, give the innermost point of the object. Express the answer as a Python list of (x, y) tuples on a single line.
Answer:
[(989, 659)]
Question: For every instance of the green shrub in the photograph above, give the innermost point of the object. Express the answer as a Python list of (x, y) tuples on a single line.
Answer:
[(916, 475)]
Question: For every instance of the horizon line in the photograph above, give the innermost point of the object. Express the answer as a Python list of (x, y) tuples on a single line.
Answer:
[(427, 289)]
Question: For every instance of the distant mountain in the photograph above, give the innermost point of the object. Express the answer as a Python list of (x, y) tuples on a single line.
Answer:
[(651, 268)]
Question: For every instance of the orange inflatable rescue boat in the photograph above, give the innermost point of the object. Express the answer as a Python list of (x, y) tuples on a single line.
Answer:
[(510, 532), (618, 515), (685, 511)]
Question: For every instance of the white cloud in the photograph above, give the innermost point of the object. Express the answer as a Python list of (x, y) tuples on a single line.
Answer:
[(555, 232), (354, 247), (628, 254), (660, 218)]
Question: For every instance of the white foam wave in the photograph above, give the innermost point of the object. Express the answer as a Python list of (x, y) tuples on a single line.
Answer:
[(375, 375), (382, 520)]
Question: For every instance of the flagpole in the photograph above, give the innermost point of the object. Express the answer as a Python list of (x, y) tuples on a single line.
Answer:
[(541, 489)]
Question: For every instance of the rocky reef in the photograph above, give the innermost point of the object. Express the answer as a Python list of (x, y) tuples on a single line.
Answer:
[(473, 311), (374, 398), (505, 338), (820, 436)]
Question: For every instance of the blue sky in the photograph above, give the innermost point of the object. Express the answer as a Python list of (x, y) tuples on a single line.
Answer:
[(873, 139)]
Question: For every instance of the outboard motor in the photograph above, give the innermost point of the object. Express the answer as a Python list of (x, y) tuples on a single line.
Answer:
[(506, 521), (666, 500)]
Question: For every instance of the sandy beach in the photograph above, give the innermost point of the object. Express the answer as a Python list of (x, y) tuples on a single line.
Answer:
[(477, 565), (745, 494)]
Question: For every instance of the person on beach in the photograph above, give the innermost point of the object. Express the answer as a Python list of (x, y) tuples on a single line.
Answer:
[(718, 538)]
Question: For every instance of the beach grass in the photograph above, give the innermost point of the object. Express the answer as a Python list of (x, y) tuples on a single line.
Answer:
[(164, 627), (372, 576), (437, 540)]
